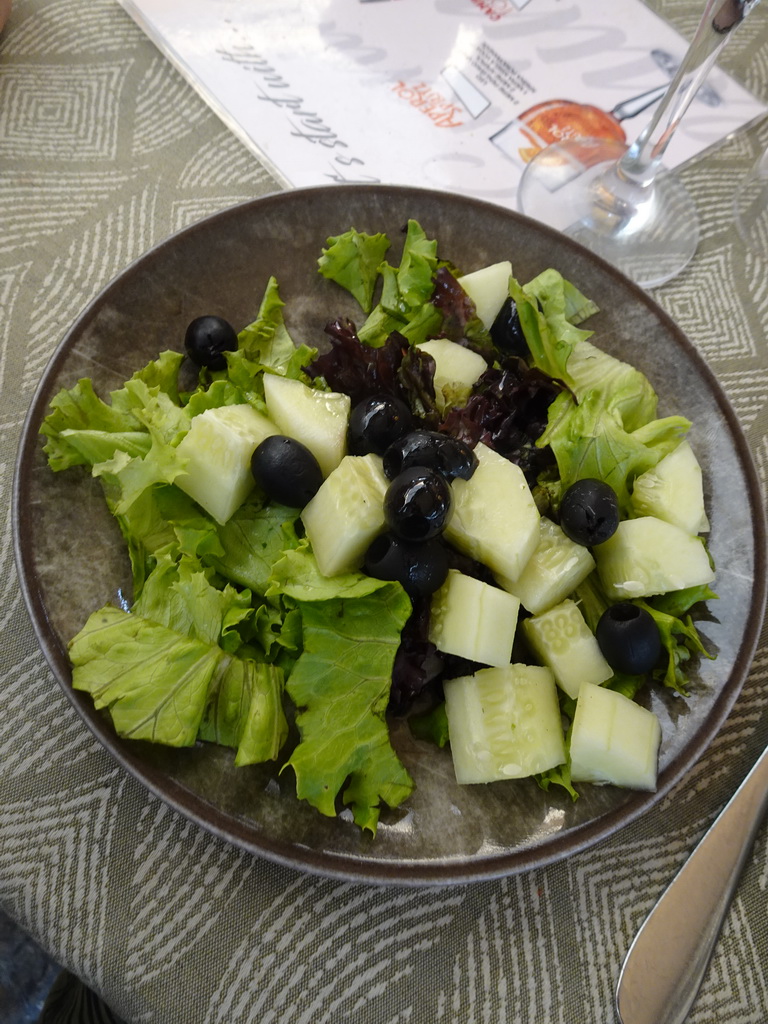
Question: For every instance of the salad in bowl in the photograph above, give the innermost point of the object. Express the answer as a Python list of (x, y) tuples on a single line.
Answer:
[(459, 512)]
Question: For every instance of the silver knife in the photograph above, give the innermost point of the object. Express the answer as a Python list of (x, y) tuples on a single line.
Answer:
[(666, 964)]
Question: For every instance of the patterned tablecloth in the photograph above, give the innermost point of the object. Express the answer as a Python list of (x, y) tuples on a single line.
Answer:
[(105, 150)]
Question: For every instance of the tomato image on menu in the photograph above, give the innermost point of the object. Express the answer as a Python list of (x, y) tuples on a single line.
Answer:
[(556, 120)]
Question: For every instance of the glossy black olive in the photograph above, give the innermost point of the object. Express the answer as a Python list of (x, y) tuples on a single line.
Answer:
[(287, 470), (375, 423), (629, 638), (207, 338), (589, 512), (445, 454), (420, 568), (418, 503), (507, 333)]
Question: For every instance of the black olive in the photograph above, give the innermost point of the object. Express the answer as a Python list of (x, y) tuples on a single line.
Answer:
[(375, 423), (417, 504), (445, 454), (589, 512), (420, 568), (506, 331), (629, 638), (287, 470), (207, 338)]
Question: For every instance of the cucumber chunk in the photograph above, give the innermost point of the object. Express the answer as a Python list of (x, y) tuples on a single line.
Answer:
[(554, 570), (561, 639), (456, 369), (614, 740), (473, 620), (346, 514), (218, 449), (649, 556), (488, 288), (495, 519), (316, 418), (673, 490), (504, 723)]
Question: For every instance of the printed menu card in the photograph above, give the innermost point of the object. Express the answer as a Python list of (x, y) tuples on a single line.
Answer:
[(447, 94)]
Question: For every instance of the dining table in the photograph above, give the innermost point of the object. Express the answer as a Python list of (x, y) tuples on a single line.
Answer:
[(106, 150)]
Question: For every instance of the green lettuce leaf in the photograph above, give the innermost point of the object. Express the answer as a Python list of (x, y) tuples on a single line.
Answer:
[(252, 541), (678, 602), (431, 726), (352, 260), (551, 287), (560, 776), (129, 476), (296, 574), (680, 640), (95, 446), (549, 307), (179, 594), (216, 395), (418, 265), (79, 409), (244, 710), (160, 375), (267, 342), (156, 410), (407, 290), (340, 684), (588, 441), (153, 680)]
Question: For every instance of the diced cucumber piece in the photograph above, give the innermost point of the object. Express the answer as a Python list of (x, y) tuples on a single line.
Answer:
[(495, 519), (561, 639), (488, 288), (456, 369), (614, 740), (316, 418), (471, 619), (648, 556), (554, 570), (673, 490), (218, 449), (504, 723), (346, 514)]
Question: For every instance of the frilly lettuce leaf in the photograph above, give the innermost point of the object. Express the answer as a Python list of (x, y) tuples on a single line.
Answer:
[(679, 637), (267, 342), (161, 374), (352, 260), (589, 441), (551, 287), (405, 305), (340, 684), (418, 264), (549, 307), (80, 409), (88, 447), (130, 476), (179, 594)]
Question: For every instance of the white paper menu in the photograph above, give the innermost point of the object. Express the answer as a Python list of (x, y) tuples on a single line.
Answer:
[(446, 94)]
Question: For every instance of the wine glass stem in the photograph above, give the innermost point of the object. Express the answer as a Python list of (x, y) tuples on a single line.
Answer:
[(720, 17)]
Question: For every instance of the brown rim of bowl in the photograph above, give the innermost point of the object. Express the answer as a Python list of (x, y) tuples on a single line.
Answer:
[(346, 866)]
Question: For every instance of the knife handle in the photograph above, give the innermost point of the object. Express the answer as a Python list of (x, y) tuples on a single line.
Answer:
[(665, 965)]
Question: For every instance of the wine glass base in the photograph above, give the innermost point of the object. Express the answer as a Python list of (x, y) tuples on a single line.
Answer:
[(648, 232)]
